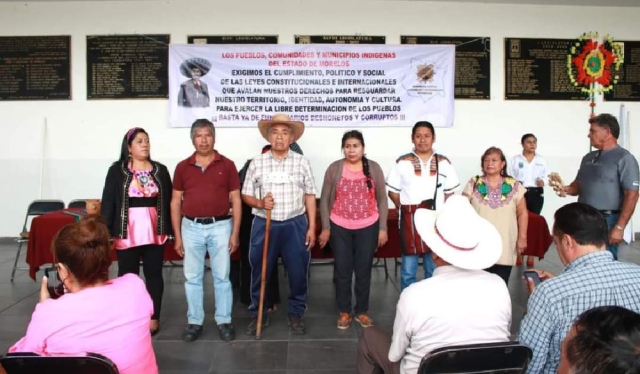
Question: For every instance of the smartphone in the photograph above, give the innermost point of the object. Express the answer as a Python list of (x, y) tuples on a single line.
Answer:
[(533, 275), (54, 284)]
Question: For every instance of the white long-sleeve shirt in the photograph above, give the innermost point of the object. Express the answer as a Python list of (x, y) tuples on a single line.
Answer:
[(455, 306)]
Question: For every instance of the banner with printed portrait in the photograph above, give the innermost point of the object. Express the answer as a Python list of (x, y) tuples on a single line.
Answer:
[(321, 85)]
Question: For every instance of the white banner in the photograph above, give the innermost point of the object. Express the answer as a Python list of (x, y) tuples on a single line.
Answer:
[(321, 85), (624, 142)]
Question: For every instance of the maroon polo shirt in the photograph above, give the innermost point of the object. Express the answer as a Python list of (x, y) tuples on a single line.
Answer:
[(206, 193)]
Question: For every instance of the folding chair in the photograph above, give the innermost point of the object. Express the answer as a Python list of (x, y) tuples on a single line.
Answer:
[(29, 363), (78, 203), (503, 358), (36, 208)]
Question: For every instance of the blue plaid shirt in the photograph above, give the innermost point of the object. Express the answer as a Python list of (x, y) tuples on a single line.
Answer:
[(588, 282)]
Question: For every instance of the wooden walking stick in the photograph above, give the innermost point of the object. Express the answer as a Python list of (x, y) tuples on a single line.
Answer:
[(263, 277)]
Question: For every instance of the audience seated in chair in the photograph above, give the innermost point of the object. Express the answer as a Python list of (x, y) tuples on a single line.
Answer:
[(460, 304), (93, 314), (604, 340), (591, 278)]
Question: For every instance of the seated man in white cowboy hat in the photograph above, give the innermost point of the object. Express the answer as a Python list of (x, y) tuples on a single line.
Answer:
[(281, 181), (460, 304)]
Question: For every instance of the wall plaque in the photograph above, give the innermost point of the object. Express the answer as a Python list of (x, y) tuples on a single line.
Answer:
[(536, 69), (473, 63), (233, 39), (628, 86), (127, 66), (339, 39), (35, 68)]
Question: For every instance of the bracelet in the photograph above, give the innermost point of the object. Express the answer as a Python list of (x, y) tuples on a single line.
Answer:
[(619, 228)]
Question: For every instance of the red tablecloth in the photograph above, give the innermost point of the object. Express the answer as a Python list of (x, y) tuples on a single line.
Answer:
[(538, 237), (45, 227)]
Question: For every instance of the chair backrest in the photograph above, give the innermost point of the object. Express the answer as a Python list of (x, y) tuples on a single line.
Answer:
[(31, 363), (40, 207), (503, 358), (79, 203)]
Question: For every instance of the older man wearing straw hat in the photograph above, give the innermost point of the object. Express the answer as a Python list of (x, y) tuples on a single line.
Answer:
[(460, 304), (281, 181)]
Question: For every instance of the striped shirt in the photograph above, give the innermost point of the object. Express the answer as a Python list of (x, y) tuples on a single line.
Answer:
[(288, 180), (590, 281)]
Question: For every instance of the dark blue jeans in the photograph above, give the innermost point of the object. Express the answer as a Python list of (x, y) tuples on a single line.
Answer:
[(286, 239), (611, 221)]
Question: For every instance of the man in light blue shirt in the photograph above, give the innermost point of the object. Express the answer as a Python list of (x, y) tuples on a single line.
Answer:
[(591, 278)]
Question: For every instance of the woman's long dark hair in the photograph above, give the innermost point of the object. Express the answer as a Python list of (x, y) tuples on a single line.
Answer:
[(126, 142), (355, 134), (498, 151)]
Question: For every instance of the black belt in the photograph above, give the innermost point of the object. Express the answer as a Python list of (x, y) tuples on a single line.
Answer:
[(608, 212), (208, 220), (540, 189), (140, 202)]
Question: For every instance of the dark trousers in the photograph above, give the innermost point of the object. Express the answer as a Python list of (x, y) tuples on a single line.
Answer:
[(503, 271), (353, 251), (373, 352), (273, 287), (152, 258), (287, 240), (534, 198)]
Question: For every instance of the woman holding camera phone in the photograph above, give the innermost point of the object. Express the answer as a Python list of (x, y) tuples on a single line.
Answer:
[(94, 314), (499, 198)]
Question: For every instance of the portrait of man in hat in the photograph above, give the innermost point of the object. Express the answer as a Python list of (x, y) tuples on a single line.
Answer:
[(194, 93)]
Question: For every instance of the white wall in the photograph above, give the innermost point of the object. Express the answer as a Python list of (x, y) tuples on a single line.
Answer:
[(83, 137)]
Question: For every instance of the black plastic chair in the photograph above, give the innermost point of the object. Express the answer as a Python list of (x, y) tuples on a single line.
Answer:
[(502, 358), (36, 208), (79, 203), (31, 363)]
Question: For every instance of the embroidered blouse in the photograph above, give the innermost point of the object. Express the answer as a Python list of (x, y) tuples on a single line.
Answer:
[(142, 220), (498, 206), (355, 206)]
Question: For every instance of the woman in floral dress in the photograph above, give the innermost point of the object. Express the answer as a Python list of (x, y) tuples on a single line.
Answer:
[(499, 198)]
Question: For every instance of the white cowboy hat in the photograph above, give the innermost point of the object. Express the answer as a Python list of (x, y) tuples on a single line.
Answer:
[(297, 127), (458, 235)]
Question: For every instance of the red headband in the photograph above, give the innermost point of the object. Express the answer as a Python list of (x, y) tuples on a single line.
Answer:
[(131, 132), (452, 245)]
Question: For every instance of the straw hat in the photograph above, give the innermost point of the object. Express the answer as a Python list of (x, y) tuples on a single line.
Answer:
[(297, 127)]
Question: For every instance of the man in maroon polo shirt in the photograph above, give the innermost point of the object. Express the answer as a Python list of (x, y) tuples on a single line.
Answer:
[(205, 186)]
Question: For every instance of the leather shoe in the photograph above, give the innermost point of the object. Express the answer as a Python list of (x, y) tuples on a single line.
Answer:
[(297, 325), (191, 333), (227, 332), (253, 326)]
